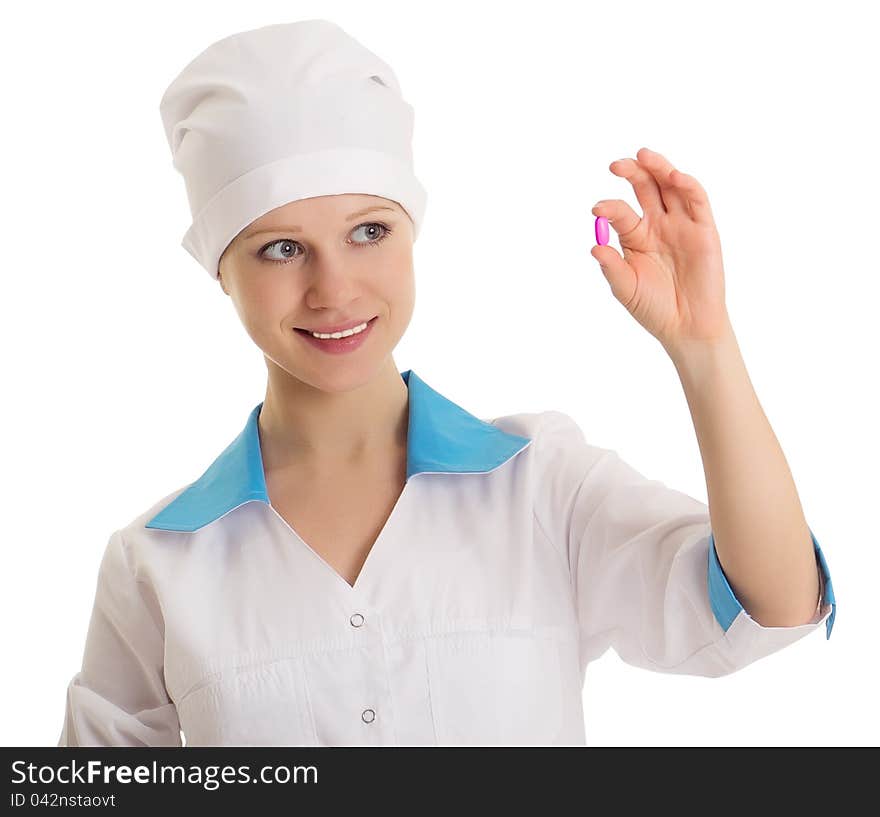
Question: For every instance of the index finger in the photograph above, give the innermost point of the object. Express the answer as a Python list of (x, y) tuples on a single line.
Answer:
[(643, 182)]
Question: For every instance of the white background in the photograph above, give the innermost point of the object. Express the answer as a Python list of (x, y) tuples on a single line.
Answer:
[(126, 369)]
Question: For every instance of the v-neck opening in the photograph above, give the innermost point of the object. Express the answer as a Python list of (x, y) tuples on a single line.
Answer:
[(371, 556)]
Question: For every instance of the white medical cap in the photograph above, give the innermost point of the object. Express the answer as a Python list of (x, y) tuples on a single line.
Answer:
[(281, 113)]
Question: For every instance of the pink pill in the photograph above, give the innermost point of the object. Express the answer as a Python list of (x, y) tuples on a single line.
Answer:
[(601, 230)]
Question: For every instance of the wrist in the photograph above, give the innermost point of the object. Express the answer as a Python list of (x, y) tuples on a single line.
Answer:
[(695, 360)]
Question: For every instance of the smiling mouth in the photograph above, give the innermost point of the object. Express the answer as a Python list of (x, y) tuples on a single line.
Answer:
[(309, 331)]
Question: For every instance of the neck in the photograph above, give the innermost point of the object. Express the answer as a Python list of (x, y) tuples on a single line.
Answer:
[(307, 427)]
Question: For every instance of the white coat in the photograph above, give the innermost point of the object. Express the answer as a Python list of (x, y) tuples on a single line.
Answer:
[(516, 554)]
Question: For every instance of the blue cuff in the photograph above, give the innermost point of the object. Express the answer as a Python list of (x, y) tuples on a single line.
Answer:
[(725, 604)]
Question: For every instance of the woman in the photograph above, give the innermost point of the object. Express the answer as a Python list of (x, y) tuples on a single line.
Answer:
[(367, 562)]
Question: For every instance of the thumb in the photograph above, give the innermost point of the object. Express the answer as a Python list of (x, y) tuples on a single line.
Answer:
[(617, 272)]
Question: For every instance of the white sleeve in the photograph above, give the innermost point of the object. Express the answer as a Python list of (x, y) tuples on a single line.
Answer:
[(119, 697), (645, 575)]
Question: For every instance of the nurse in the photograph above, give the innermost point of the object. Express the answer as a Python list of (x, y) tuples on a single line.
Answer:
[(368, 563), (298, 161)]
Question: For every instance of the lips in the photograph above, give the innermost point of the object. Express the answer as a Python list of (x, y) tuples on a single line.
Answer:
[(339, 343), (340, 327)]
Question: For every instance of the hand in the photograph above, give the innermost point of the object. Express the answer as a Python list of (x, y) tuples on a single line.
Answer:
[(671, 276)]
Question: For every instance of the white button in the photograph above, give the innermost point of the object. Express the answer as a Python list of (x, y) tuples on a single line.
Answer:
[(356, 620), (368, 716)]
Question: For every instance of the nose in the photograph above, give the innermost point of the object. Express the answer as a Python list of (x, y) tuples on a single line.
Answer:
[(331, 285)]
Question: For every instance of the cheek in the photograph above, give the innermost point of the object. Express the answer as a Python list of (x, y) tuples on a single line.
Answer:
[(397, 271), (397, 279), (401, 296), (263, 311)]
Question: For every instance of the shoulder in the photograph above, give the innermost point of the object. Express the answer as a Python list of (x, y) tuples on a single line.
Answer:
[(139, 541), (559, 444), (545, 428), (139, 521)]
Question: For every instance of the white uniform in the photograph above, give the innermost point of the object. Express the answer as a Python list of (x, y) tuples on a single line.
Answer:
[(516, 554)]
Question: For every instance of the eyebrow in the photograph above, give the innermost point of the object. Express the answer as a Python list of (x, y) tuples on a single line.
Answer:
[(295, 228)]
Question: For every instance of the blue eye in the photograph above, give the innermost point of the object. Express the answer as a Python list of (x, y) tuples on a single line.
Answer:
[(287, 244)]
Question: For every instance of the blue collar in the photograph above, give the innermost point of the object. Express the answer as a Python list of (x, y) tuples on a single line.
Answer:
[(442, 438)]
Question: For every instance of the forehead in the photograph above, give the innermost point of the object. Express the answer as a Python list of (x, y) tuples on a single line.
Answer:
[(322, 208)]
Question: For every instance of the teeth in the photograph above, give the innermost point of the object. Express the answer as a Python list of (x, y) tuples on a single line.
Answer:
[(353, 331)]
